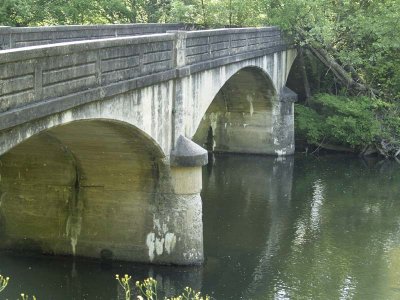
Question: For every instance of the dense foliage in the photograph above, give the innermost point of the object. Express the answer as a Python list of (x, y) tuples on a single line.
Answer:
[(202, 12), (351, 48), (352, 52), (44, 12), (361, 35), (356, 123)]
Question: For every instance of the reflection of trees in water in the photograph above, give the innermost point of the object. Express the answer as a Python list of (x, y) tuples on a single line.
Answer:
[(334, 235), (344, 230), (279, 198)]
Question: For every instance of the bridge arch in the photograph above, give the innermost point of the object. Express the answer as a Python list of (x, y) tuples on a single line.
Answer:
[(240, 117), (196, 92), (18, 135), (86, 188)]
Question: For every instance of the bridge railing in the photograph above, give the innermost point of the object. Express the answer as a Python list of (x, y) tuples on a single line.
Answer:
[(33, 74), (17, 37), (66, 75), (212, 44)]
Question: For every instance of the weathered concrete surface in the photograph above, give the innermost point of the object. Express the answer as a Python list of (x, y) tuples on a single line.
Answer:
[(95, 137), (17, 37), (242, 103), (148, 109), (77, 187), (188, 154), (240, 118), (99, 189)]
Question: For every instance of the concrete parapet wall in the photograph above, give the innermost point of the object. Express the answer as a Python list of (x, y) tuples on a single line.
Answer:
[(17, 37), (211, 44), (40, 73)]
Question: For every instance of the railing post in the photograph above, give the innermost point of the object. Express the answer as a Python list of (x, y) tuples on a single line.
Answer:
[(38, 79), (179, 57), (230, 44), (179, 47), (5, 37)]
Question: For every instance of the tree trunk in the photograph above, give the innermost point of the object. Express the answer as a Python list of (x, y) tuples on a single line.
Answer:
[(230, 13), (337, 148), (306, 84), (329, 61), (203, 10), (337, 69), (133, 18)]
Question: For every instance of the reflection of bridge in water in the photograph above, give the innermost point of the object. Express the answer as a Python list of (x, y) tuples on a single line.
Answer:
[(246, 203), (96, 127)]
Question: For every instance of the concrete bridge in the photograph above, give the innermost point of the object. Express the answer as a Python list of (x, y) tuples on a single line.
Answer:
[(104, 132)]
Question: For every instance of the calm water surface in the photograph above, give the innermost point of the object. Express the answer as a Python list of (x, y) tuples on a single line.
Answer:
[(294, 228)]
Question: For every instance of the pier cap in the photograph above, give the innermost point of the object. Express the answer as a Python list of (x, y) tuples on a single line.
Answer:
[(188, 154)]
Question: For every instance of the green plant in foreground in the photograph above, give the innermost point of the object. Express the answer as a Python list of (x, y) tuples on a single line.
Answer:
[(190, 294), (124, 283), (3, 282), (148, 290)]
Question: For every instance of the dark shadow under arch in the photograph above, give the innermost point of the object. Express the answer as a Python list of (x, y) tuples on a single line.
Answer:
[(240, 117), (83, 188)]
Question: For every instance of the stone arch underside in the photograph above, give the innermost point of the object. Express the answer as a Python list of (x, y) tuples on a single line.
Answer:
[(87, 188), (241, 116)]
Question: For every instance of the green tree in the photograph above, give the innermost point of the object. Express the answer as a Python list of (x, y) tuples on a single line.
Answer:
[(16, 12), (358, 45), (219, 13)]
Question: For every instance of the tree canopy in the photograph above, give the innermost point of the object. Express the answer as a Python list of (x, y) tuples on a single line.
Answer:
[(358, 45)]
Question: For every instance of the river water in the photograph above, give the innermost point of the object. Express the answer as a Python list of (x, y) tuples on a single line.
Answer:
[(274, 228)]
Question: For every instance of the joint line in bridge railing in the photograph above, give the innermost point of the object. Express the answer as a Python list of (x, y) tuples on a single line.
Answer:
[(98, 67), (38, 79), (5, 37), (179, 50)]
